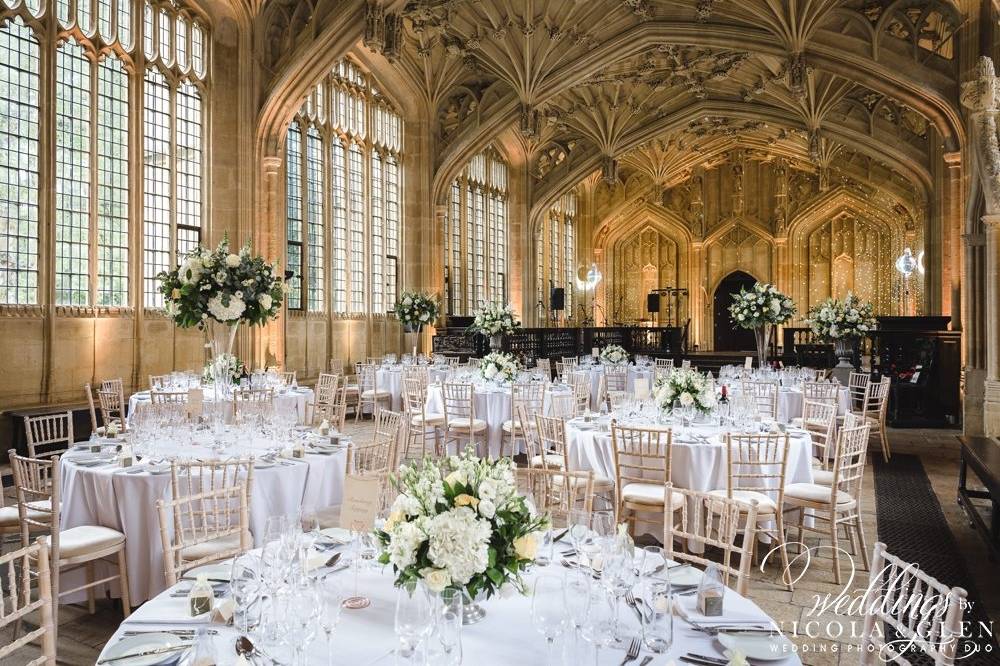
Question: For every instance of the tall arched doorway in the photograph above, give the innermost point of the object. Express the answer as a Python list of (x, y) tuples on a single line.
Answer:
[(729, 337)]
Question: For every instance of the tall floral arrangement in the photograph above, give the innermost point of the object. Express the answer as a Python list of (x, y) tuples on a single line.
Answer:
[(614, 355), (495, 319), (834, 319), (761, 305), (416, 310), (499, 367), (222, 286), (688, 386), (460, 523)]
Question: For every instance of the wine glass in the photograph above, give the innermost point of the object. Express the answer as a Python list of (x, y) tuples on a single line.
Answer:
[(579, 525), (303, 618), (331, 599), (449, 627), (618, 576), (245, 586), (548, 610), (413, 619), (599, 629), (577, 592)]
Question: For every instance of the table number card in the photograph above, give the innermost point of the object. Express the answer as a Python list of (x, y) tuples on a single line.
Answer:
[(748, 362), (361, 500), (641, 388)]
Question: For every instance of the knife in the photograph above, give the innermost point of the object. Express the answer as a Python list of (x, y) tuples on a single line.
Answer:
[(558, 538), (145, 653)]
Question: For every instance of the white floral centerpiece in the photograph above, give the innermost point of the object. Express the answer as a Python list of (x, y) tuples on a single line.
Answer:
[(761, 308), (499, 367), (688, 386), (416, 310), (223, 365), (495, 321), (460, 523), (614, 355), (834, 319)]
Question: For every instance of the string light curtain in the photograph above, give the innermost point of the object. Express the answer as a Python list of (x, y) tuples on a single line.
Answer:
[(345, 182), (128, 84), (475, 253)]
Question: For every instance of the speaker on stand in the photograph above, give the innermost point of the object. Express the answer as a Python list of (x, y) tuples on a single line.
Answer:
[(653, 306), (557, 301)]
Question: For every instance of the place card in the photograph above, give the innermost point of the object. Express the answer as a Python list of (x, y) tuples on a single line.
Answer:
[(361, 502), (641, 388), (748, 362), (195, 403)]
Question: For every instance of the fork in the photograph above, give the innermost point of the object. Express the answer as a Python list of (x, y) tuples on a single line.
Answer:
[(630, 600), (633, 652)]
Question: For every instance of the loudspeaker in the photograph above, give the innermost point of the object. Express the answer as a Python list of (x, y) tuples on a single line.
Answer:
[(557, 298), (653, 303)]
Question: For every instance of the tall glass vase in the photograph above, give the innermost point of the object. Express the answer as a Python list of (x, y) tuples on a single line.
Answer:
[(496, 342), (762, 334), (220, 343), (412, 332)]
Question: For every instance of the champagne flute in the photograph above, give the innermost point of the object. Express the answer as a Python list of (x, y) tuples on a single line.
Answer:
[(548, 610), (577, 592), (413, 620), (449, 624), (331, 598)]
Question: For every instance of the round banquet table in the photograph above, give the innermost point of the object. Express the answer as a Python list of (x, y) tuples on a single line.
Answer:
[(493, 405), (596, 373), (125, 499), (791, 401), (390, 378), (506, 634), (292, 400)]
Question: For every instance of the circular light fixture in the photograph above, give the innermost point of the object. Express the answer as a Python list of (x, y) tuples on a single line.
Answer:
[(906, 263), (594, 276)]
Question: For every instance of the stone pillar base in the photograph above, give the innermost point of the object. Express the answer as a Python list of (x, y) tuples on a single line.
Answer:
[(991, 408), (972, 402)]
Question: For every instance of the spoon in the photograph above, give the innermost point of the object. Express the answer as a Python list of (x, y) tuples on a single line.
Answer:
[(246, 648)]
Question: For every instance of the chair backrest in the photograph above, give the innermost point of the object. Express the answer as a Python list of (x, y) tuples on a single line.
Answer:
[(557, 492), (112, 406), (552, 438), (852, 420), (91, 406), (326, 396), (661, 372), (164, 413), (529, 430), (714, 522), (389, 431), (459, 401), (664, 363), (157, 397), (876, 399), (642, 455), (414, 396), (820, 391), (764, 395), (367, 376), (530, 394), (38, 486), (933, 626), (822, 374), (562, 372), (197, 519), (849, 460), (421, 373), (570, 361), (287, 377), (52, 431), (158, 382), (373, 458), (195, 477), (857, 388), (615, 379), (562, 403), (16, 570), (116, 385), (685, 364), (616, 399), (581, 396), (820, 419), (757, 462), (339, 414), (336, 365), (253, 402), (544, 365)]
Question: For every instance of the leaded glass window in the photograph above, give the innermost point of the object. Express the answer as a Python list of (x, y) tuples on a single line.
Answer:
[(556, 257), (293, 214)]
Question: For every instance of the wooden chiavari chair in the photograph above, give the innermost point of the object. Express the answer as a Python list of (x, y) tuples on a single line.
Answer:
[(157, 397), (39, 485), (822, 374), (532, 395), (336, 365), (375, 457), (460, 422), (544, 366), (91, 407), (425, 427), (933, 628), (820, 392), (614, 379), (561, 372), (472, 362), (642, 467), (756, 465), (161, 412), (158, 382), (390, 429), (253, 402), (665, 363), (52, 431), (616, 399), (764, 395), (581, 393), (837, 504), (112, 406), (325, 395), (339, 417), (352, 390), (557, 492), (562, 403), (421, 373), (16, 569), (685, 364), (207, 527), (857, 389), (661, 372), (875, 409), (819, 419), (714, 522), (287, 377), (370, 395), (570, 361), (550, 436)]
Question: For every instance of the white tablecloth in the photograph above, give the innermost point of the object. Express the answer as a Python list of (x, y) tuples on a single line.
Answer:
[(110, 497), (291, 400), (596, 373), (505, 636), (390, 378)]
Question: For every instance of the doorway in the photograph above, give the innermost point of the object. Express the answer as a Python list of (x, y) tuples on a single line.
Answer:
[(728, 336)]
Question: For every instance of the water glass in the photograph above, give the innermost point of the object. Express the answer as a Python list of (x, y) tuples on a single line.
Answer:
[(577, 590), (448, 650), (657, 617), (413, 620), (548, 611)]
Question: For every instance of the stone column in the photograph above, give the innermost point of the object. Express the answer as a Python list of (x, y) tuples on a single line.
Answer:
[(952, 262), (267, 343), (991, 292)]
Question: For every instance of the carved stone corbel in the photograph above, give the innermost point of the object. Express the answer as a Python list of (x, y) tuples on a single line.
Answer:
[(383, 32), (980, 96)]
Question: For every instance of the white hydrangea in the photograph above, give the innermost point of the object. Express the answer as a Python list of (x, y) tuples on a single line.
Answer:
[(224, 312), (459, 543), (265, 301), (233, 260)]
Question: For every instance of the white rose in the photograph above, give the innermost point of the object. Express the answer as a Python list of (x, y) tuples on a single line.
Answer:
[(265, 301), (490, 372), (775, 306), (686, 399), (233, 260), (487, 509), (435, 579)]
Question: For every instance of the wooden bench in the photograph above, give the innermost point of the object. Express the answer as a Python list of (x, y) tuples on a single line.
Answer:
[(982, 456)]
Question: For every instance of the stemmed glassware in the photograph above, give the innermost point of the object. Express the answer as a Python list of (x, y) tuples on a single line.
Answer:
[(449, 628), (357, 553), (618, 576), (245, 586), (303, 613), (413, 618), (331, 601), (548, 611)]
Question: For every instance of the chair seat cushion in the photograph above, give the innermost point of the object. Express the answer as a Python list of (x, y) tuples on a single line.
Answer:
[(652, 494), (375, 393), (823, 477), (9, 516), (476, 425), (764, 503), (511, 426), (815, 493), (551, 460), (600, 483), (209, 548), (427, 419), (77, 541)]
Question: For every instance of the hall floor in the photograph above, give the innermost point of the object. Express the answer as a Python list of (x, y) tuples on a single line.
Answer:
[(81, 636)]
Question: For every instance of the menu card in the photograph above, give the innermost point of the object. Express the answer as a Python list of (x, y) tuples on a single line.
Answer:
[(748, 362), (641, 388), (361, 501), (196, 402)]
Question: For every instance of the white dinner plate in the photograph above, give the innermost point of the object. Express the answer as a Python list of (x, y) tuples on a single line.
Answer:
[(686, 576), (758, 646), (338, 534), (215, 572), (143, 643)]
